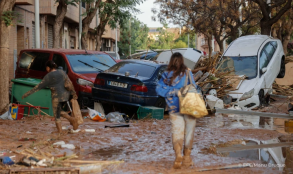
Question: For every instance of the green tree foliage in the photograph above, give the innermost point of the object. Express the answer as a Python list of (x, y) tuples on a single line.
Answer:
[(184, 38), (180, 44), (164, 39), (114, 13), (138, 39)]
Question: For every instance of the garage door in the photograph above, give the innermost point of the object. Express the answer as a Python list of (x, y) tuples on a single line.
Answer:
[(50, 36), (34, 36)]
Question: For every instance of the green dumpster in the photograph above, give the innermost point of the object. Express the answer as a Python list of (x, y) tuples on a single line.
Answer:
[(41, 98)]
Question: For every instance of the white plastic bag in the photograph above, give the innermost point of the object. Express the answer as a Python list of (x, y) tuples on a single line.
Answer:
[(115, 117), (6, 116), (96, 116)]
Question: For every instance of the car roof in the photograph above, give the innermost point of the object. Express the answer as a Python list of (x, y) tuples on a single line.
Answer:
[(65, 51), (246, 45), (146, 62)]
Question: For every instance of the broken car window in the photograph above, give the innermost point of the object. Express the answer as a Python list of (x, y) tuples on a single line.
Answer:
[(239, 66), (34, 60)]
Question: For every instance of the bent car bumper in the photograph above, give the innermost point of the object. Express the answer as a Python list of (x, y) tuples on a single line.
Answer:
[(112, 96), (249, 103)]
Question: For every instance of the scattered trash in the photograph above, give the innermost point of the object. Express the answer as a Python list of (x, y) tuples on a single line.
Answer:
[(153, 132), (74, 131), (6, 116), (117, 125), (64, 127), (96, 116), (19, 146), (28, 132), (59, 143), (6, 160), (115, 117), (90, 130), (68, 146), (214, 102), (27, 139)]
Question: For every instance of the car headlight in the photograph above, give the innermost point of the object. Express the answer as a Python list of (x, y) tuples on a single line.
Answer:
[(247, 95), (85, 82)]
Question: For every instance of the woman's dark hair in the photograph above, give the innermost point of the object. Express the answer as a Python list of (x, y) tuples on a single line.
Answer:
[(177, 66), (51, 64)]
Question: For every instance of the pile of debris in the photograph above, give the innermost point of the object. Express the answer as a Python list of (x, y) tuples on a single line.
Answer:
[(283, 89), (209, 79)]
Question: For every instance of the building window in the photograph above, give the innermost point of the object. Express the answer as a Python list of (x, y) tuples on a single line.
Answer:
[(83, 4)]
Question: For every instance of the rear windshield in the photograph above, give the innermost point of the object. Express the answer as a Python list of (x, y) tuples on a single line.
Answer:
[(239, 66), (88, 63), (133, 68)]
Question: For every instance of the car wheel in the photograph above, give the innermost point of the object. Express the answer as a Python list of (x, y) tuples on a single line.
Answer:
[(261, 97), (282, 69), (160, 103)]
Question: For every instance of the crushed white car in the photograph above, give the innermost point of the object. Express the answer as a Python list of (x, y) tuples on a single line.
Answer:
[(261, 59)]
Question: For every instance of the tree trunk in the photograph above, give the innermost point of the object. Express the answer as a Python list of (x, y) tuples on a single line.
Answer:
[(91, 13), (210, 45), (4, 56), (220, 43), (61, 12), (265, 28), (99, 33), (286, 40)]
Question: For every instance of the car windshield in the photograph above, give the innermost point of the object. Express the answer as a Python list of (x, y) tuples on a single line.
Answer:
[(133, 68), (239, 66), (88, 63), (113, 55)]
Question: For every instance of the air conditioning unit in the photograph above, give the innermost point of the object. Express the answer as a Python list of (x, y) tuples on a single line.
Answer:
[(108, 43)]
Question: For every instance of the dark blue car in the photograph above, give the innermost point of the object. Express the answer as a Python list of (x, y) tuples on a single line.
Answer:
[(130, 82), (149, 55)]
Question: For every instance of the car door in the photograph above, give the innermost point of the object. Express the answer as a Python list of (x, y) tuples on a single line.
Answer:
[(265, 61), (273, 66)]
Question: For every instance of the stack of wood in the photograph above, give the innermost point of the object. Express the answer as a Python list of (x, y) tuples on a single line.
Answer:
[(207, 77)]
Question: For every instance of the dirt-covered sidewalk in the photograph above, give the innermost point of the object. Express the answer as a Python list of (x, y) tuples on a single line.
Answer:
[(145, 146)]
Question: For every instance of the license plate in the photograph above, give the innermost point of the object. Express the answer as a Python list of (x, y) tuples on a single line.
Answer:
[(117, 84)]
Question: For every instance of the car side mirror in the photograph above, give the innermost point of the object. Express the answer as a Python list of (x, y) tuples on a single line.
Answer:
[(264, 70)]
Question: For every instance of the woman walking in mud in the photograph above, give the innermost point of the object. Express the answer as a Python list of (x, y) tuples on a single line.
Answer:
[(61, 90), (183, 126)]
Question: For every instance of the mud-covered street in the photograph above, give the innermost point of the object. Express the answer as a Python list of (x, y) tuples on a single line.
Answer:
[(146, 146)]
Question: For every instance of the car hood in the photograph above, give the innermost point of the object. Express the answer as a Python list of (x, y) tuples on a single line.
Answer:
[(245, 86), (91, 76)]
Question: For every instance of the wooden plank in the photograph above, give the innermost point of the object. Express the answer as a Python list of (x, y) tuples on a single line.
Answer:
[(203, 77), (92, 162), (71, 169), (261, 114), (250, 147)]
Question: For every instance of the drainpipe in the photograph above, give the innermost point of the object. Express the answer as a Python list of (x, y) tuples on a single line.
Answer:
[(116, 49), (80, 24), (37, 24)]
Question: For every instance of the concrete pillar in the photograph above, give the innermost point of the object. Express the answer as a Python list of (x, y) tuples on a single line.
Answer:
[(80, 24)]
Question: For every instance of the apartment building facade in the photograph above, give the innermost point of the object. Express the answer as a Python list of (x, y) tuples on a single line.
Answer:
[(22, 32)]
